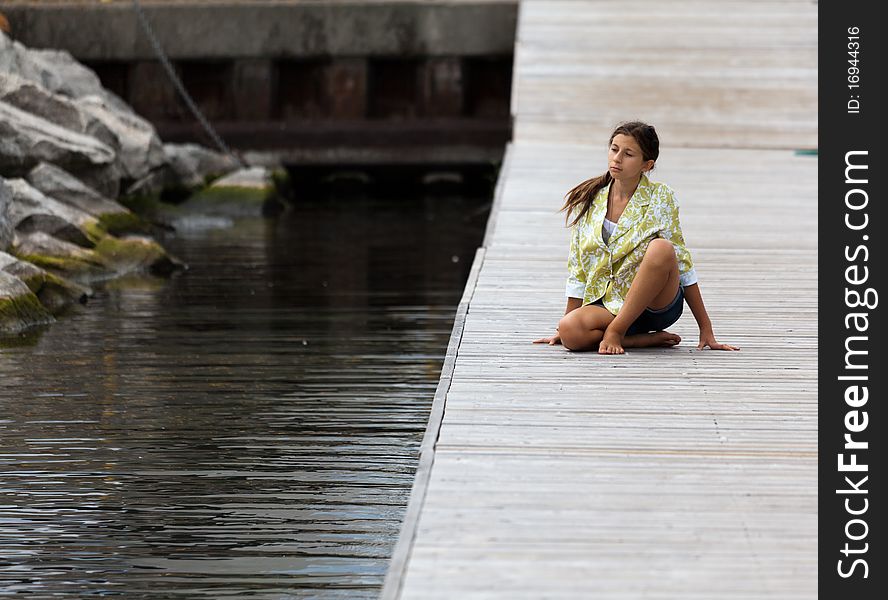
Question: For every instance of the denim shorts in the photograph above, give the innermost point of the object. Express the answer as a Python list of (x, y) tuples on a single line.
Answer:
[(657, 320)]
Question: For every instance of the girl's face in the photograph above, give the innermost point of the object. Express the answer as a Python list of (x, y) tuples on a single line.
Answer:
[(624, 159)]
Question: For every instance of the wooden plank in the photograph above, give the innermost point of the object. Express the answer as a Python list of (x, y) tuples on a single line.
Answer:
[(661, 473), (705, 79)]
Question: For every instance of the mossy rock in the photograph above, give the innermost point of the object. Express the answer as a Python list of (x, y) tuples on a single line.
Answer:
[(245, 192), (117, 251), (150, 209), (118, 224), (141, 204), (128, 254), (237, 201), (56, 293), (77, 268), (19, 307), (111, 257)]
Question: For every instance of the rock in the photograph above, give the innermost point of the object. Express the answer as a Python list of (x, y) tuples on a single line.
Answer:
[(19, 307), (153, 184), (104, 179), (59, 257), (194, 166), (137, 253), (111, 256), (53, 292), (244, 192), (31, 211), (31, 97), (26, 140), (61, 110), (256, 179), (137, 145), (56, 71), (188, 168), (64, 187), (260, 183), (50, 82), (75, 142), (5, 225)]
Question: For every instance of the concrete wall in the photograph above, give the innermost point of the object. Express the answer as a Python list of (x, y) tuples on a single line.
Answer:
[(206, 30), (369, 81)]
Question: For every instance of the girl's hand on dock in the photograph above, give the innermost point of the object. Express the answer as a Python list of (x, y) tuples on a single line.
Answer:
[(552, 341), (707, 338)]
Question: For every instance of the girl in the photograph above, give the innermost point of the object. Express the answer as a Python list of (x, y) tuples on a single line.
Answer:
[(629, 269)]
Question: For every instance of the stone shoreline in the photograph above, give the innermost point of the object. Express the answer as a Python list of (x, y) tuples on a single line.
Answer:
[(73, 158)]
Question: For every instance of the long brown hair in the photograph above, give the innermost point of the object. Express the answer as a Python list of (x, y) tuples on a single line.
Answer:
[(583, 194)]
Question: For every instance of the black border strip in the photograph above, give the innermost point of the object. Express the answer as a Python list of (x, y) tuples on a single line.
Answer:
[(851, 359)]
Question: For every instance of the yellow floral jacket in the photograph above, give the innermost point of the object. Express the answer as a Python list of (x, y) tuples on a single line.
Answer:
[(605, 270)]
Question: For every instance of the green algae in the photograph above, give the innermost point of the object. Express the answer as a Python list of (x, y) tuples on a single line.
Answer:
[(66, 264), (111, 256), (113, 224), (55, 293), (113, 250), (94, 232), (141, 204), (148, 206), (23, 311), (123, 223), (130, 254)]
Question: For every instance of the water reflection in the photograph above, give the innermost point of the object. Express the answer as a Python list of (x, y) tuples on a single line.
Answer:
[(249, 428)]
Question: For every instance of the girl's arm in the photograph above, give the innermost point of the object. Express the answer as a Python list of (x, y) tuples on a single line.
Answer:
[(707, 337), (672, 232)]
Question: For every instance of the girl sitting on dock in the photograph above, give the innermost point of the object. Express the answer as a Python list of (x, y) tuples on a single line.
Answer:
[(629, 269)]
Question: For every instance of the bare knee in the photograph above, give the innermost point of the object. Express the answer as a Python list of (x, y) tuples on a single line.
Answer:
[(570, 330), (661, 253)]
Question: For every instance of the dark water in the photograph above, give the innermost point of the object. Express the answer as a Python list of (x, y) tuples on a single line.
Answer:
[(250, 428)]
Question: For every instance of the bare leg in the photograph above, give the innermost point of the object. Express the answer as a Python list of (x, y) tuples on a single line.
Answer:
[(583, 328), (655, 285), (593, 339)]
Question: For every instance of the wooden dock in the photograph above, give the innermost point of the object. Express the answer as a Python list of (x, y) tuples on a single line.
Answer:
[(661, 473)]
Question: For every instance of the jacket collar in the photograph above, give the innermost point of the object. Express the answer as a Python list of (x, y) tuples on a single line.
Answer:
[(633, 212)]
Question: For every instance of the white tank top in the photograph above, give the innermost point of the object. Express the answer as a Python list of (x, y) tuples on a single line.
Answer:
[(607, 228)]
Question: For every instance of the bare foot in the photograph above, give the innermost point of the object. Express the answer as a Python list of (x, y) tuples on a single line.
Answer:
[(638, 340), (647, 340), (611, 343)]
